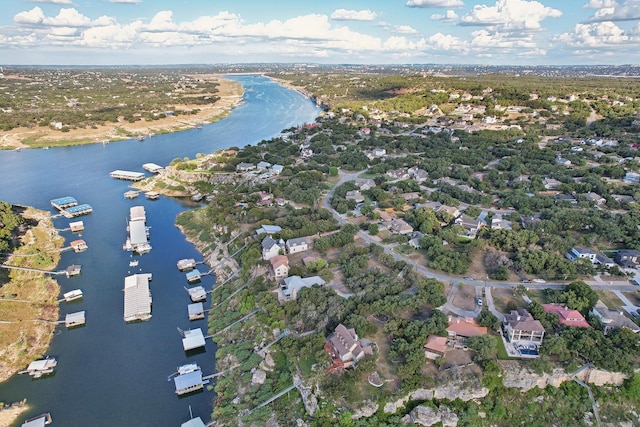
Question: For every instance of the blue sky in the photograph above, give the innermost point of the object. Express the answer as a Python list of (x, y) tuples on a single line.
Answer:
[(498, 32)]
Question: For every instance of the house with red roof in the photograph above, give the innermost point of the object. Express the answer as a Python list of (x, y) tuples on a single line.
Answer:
[(344, 348), (462, 328), (568, 317), (435, 347)]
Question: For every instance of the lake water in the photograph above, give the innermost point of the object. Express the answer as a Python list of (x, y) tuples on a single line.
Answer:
[(110, 373)]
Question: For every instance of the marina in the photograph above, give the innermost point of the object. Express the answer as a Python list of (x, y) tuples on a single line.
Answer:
[(39, 368), (74, 319), (127, 175), (73, 295), (137, 298), (186, 264)]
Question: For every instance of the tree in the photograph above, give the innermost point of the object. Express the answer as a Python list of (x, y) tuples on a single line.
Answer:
[(373, 229), (579, 296), (488, 319), (484, 345)]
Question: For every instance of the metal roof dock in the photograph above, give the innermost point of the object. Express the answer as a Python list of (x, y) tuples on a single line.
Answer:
[(127, 175), (189, 379), (152, 167), (137, 213), (196, 311), (194, 422), (137, 297), (197, 294), (74, 319), (40, 367), (193, 276), (72, 295), (193, 338), (64, 202), (39, 421), (76, 226), (78, 210), (186, 264)]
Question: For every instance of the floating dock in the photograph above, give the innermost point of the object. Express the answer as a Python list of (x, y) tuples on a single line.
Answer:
[(193, 276), (73, 270), (152, 195), (74, 319), (189, 379), (193, 338), (197, 294), (64, 202), (132, 194), (186, 264), (127, 175), (137, 213), (152, 168), (138, 231), (41, 367), (72, 295), (76, 226), (79, 245), (194, 422), (78, 210), (39, 421), (137, 297), (196, 311)]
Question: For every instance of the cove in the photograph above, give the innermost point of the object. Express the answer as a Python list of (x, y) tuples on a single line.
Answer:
[(110, 373)]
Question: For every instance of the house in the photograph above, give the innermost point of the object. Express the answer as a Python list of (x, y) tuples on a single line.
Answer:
[(454, 212), (265, 199), (628, 258), (279, 266), (290, 287), (471, 226), (567, 316), (379, 152), (550, 183), (277, 169), (411, 196), (268, 229), (498, 223), (244, 167), (612, 318), (263, 166), (565, 198), (398, 174), (460, 329), (585, 253), (354, 195), (596, 198), (400, 226), (344, 348), (365, 184), (562, 161), (520, 327), (297, 245), (271, 248), (435, 347), (416, 236)]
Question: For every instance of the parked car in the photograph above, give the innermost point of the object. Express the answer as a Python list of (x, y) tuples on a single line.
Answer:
[(479, 301)]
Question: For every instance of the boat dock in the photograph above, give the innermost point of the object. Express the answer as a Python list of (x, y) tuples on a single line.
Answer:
[(78, 210), (197, 294), (152, 168), (194, 276), (196, 311), (137, 297), (76, 226), (131, 194), (138, 231), (72, 295), (74, 319), (193, 338), (189, 379), (79, 245), (186, 264), (152, 195), (64, 202), (41, 367), (127, 175), (194, 422), (73, 270), (39, 421)]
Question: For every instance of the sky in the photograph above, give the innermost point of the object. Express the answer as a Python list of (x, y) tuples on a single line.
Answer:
[(156, 32)]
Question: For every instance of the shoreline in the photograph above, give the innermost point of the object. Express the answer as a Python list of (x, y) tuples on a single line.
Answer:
[(229, 91), (10, 413)]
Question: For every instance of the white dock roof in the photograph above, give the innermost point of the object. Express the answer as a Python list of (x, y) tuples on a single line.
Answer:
[(137, 297), (195, 309), (193, 422), (193, 338), (73, 319), (137, 213), (137, 232)]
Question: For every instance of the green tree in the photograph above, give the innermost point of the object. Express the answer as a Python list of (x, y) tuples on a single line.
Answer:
[(488, 319)]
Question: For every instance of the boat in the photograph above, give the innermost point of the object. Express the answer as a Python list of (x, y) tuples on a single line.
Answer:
[(133, 263)]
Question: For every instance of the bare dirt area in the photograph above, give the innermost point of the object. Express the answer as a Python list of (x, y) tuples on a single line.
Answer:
[(392, 382), (230, 94), (477, 269), (465, 297), (502, 298), (9, 414)]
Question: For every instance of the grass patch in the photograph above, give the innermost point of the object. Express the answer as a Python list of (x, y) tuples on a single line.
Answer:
[(610, 299), (501, 350)]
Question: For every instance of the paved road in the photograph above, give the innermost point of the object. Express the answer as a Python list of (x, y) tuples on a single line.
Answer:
[(444, 277)]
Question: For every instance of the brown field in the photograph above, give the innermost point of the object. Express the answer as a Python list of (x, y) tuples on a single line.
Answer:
[(465, 297), (501, 297)]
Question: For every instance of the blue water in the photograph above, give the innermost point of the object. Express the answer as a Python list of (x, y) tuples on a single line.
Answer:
[(111, 373)]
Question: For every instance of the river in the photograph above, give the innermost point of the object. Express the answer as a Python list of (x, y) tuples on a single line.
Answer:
[(110, 373)]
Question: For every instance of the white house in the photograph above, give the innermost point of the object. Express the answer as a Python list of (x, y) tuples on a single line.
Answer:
[(290, 287), (271, 248), (297, 245)]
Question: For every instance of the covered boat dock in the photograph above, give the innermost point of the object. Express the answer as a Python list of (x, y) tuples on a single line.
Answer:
[(137, 297), (193, 338), (196, 311), (74, 319), (127, 175)]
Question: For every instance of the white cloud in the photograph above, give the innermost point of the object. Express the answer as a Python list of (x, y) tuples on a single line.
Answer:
[(450, 15), (434, 3), (491, 40), (353, 15), (67, 17), (52, 1), (126, 1), (30, 17), (511, 15), (597, 35), (405, 29), (628, 10), (599, 4), (162, 21), (441, 41)]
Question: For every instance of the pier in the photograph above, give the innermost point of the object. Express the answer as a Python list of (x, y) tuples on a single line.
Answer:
[(138, 231), (74, 319), (79, 245), (152, 195), (75, 211), (37, 270), (127, 175), (137, 297), (64, 202)]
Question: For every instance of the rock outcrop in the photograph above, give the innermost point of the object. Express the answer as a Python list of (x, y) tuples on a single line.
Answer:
[(451, 391), (365, 411), (428, 416)]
